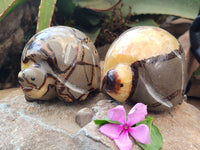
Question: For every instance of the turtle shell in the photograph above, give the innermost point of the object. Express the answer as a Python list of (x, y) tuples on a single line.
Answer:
[(146, 64), (59, 62)]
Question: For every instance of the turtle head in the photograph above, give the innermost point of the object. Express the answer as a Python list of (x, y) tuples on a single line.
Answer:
[(35, 82), (118, 82)]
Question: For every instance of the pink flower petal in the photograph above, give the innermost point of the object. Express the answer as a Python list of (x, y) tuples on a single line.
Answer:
[(111, 130), (123, 141), (141, 134), (137, 114), (117, 113)]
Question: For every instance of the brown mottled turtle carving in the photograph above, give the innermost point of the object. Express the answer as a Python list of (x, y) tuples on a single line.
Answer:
[(59, 62)]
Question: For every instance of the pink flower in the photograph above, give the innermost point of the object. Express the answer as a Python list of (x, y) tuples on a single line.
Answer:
[(119, 132)]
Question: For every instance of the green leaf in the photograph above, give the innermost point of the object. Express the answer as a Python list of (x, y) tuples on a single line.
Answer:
[(183, 8), (105, 121), (45, 14), (111, 121), (66, 7), (156, 137), (197, 72), (7, 6), (148, 121), (88, 22), (100, 122), (86, 17), (143, 21), (97, 5), (93, 33)]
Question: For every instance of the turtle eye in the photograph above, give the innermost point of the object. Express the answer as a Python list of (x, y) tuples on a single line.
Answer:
[(121, 85), (33, 78)]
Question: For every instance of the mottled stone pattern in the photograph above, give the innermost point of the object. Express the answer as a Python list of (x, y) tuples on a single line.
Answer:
[(52, 125), (59, 61)]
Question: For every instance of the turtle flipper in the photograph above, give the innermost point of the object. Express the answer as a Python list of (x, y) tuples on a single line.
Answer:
[(195, 37)]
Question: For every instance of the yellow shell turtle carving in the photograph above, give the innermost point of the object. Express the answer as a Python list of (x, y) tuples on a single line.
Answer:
[(59, 62), (145, 64)]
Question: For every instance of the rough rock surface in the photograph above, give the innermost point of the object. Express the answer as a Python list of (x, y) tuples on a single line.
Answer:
[(52, 125), (49, 125), (14, 30), (84, 116), (193, 88), (191, 61), (177, 27)]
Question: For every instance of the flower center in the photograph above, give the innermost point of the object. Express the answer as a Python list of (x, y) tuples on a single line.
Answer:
[(126, 127)]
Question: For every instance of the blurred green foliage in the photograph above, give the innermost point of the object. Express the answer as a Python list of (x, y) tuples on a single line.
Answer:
[(46, 11), (107, 18), (7, 6)]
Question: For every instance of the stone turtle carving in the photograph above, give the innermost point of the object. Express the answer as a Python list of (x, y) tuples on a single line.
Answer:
[(146, 64), (59, 62)]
